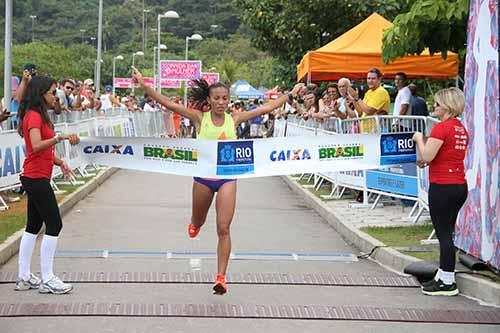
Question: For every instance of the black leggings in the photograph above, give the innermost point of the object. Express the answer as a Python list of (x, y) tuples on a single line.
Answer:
[(42, 207), (445, 201)]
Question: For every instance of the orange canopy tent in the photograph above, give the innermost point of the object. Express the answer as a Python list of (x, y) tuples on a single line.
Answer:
[(360, 48)]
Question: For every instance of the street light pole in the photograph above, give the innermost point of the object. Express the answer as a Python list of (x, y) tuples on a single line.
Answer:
[(7, 81), (138, 53), (214, 27), (99, 47), (83, 32), (169, 14), (144, 30), (119, 57), (162, 47), (33, 17), (193, 37)]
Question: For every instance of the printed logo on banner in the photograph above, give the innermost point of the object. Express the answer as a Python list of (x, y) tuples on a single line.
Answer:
[(235, 158), (109, 149), (290, 155), (11, 159), (171, 154), (341, 152), (397, 149)]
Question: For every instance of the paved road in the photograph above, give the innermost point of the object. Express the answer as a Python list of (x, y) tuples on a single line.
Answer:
[(149, 212)]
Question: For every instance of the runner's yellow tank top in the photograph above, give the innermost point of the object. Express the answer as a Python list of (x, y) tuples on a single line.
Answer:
[(209, 131)]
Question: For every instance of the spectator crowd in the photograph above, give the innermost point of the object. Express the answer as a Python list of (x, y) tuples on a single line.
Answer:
[(342, 100)]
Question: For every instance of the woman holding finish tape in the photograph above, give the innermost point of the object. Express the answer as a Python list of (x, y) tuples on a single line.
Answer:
[(444, 152), (39, 136), (215, 124)]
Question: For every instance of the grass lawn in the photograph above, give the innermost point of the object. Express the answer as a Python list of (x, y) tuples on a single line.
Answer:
[(325, 189), (14, 218), (404, 237)]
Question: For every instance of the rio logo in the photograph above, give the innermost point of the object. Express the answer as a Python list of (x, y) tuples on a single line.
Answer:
[(235, 157)]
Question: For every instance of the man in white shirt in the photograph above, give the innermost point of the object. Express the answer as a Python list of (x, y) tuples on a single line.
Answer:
[(402, 106), (150, 105)]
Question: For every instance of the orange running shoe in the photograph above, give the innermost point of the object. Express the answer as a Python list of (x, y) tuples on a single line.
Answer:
[(193, 231), (220, 287)]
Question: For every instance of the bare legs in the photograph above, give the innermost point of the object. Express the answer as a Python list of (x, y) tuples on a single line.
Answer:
[(224, 205)]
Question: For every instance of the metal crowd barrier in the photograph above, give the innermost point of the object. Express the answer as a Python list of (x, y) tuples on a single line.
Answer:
[(111, 122), (366, 181)]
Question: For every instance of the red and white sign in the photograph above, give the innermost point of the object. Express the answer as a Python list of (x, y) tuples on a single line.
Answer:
[(122, 82), (180, 70), (211, 78), (165, 83)]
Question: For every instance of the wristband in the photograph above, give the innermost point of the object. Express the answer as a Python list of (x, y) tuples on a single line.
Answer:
[(290, 98)]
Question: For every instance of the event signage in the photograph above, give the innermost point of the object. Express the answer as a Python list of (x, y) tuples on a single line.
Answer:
[(391, 182), (122, 82), (211, 78), (180, 70), (397, 148), (12, 155), (165, 83), (235, 159)]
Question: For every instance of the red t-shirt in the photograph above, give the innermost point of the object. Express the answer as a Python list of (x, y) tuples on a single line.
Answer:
[(37, 165), (448, 165)]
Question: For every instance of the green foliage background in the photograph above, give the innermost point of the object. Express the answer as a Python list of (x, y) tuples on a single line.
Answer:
[(60, 50), (261, 41)]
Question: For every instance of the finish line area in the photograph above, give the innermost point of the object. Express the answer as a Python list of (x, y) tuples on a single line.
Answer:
[(287, 264), (190, 255)]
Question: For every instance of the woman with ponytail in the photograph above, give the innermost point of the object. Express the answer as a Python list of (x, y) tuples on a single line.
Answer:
[(39, 137), (215, 124)]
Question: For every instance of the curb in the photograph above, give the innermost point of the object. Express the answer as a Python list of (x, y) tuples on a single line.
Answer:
[(10, 246), (471, 286)]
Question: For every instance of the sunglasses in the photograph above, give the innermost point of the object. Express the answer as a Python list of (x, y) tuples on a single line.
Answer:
[(54, 92), (69, 88)]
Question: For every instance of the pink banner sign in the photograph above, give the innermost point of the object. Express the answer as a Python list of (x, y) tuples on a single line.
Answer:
[(211, 78), (165, 83), (180, 70), (122, 82)]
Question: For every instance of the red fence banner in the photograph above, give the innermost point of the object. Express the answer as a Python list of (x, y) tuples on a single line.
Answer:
[(121, 82)]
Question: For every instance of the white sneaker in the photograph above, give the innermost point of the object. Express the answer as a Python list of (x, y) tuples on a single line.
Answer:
[(55, 286), (32, 283)]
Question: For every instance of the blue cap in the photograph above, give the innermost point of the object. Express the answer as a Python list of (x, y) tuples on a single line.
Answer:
[(108, 88)]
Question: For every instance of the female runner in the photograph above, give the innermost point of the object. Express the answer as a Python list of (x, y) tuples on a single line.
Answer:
[(215, 124)]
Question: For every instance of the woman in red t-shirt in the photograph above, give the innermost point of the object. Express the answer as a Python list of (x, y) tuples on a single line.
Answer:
[(39, 136), (444, 152)]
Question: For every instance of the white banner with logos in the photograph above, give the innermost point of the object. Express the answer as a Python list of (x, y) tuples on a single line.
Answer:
[(12, 154), (250, 158)]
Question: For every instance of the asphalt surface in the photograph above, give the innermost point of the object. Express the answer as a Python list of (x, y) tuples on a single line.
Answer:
[(141, 212)]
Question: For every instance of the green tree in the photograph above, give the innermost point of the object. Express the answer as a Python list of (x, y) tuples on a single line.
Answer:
[(288, 29), (439, 25), (228, 70)]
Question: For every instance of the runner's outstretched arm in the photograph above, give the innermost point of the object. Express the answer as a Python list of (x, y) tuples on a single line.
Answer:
[(266, 108), (191, 114)]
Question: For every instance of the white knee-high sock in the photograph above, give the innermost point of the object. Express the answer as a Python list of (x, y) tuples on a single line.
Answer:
[(47, 251), (447, 277), (26, 247)]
